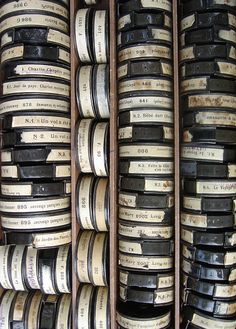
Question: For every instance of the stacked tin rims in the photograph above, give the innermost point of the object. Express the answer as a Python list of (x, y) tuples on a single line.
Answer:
[(145, 136), (35, 161), (208, 102), (92, 145)]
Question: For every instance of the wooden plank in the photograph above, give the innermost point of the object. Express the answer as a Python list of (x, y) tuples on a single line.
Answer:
[(74, 170), (113, 165), (177, 163)]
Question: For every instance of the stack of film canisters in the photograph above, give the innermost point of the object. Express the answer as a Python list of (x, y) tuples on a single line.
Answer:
[(34, 309), (35, 164), (146, 185), (208, 163), (92, 159)]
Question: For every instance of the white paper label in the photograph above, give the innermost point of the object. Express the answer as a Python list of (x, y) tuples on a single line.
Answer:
[(39, 87), (187, 53), (157, 4), (12, 53), (216, 118), (101, 308), (24, 5), (229, 35), (161, 34), (211, 323), (47, 280), (144, 323), (145, 263), (84, 91), (151, 167), (194, 84), (130, 247), (5, 308), (4, 264), (145, 84), (141, 215), (28, 20), (84, 205), (202, 153), (99, 148), (193, 220), (16, 268), (34, 310), (81, 35), (35, 222), (124, 20), (187, 22), (143, 151), (34, 104), (127, 200), (19, 308), (161, 116), (98, 262), (162, 297), (84, 132), (62, 269), (159, 185), (216, 187), (227, 68), (212, 100), (99, 36), (149, 101), (101, 205), (62, 171), (161, 232), (192, 203), (58, 38), (144, 51), (32, 268), (102, 92), (82, 256), (63, 312), (55, 239), (42, 70), (84, 307), (9, 172)]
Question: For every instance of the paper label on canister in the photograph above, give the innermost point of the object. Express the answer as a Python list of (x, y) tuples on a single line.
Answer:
[(101, 205), (21, 87), (123, 21), (192, 203), (137, 116), (59, 38), (98, 261), (35, 222), (62, 171), (55, 239), (64, 55), (100, 36), (211, 100), (28, 20), (230, 258), (194, 84), (130, 247), (232, 52), (84, 307), (99, 148), (193, 220), (31, 265), (34, 310), (42, 70), (40, 120), (222, 291), (83, 146), (12, 53), (227, 68), (202, 153), (34, 206), (81, 34), (9, 171), (19, 308), (216, 118), (187, 53), (211, 323), (127, 200), (62, 269), (144, 51), (16, 267), (159, 151), (141, 323), (145, 84), (216, 187), (151, 167), (145, 101), (24, 5), (101, 308), (159, 185), (146, 231), (162, 297), (165, 281), (228, 35), (187, 22), (157, 4), (82, 256), (230, 3), (48, 137), (4, 277), (85, 92), (84, 204), (141, 215), (161, 34), (63, 312), (59, 155), (5, 308), (145, 263), (34, 104), (102, 92), (6, 156)]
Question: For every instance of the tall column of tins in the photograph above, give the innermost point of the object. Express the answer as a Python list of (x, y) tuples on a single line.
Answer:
[(208, 103), (35, 164), (146, 164), (91, 140)]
